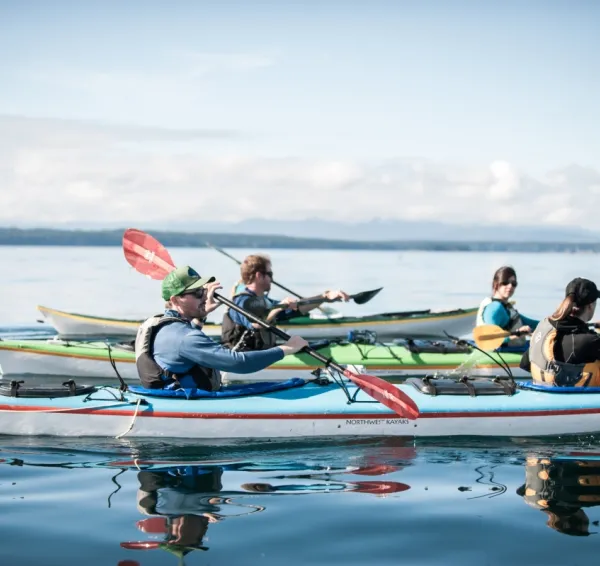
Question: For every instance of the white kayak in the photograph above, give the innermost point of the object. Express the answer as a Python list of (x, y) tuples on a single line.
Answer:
[(416, 324)]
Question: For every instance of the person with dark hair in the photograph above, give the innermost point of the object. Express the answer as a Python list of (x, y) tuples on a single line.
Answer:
[(498, 310), (241, 334), (564, 351)]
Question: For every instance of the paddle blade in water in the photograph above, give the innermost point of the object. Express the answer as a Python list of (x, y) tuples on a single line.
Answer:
[(489, 336), (140, 545), (385, 393), (379, 487), (146, 255)]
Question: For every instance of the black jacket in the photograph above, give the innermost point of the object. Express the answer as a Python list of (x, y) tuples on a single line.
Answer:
[(575, 343)]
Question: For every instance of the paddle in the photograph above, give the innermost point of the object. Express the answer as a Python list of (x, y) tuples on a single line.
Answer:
[(359, 298), (146, 255), (490, 336)]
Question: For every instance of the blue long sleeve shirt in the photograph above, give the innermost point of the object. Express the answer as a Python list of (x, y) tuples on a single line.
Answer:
[(496, 313), (178, 347)]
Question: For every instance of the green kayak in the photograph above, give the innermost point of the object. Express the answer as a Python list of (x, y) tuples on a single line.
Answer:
[(402, 358)]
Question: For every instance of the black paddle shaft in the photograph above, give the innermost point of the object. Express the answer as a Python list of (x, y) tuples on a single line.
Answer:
[(278, 332)]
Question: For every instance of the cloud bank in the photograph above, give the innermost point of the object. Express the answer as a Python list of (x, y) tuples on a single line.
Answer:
[(58, 171)]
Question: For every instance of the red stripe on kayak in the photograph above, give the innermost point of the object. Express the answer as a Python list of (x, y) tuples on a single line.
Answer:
[(177, 415), (299, 416)]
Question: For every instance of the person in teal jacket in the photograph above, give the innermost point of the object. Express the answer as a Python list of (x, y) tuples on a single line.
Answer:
[(498, 310)]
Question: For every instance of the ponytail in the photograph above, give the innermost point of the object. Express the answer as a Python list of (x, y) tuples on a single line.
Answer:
[(565, 309)]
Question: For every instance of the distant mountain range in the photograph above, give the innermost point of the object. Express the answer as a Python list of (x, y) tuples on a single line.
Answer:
[(374, 230), (113, 237)]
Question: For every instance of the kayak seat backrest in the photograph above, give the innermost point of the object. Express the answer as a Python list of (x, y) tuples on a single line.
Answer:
[(555, 389), (67, 389), (242, 390), (463, 386)]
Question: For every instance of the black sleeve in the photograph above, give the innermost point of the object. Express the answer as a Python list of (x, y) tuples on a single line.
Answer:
[(525, 364)]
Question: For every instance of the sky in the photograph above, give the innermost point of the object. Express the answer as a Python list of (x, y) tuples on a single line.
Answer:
[(451, 110)]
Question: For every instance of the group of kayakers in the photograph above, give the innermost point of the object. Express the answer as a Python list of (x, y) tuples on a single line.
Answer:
[(563, 350), (173, 351)]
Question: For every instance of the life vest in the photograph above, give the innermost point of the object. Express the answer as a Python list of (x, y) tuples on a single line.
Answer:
[(514, 323), (242, 339), (151, 374), (546, 370)]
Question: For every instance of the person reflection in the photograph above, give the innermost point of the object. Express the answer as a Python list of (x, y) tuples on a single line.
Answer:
[(561, 488)]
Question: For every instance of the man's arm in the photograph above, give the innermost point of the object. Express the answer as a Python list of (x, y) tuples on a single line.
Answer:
[(200, 349)]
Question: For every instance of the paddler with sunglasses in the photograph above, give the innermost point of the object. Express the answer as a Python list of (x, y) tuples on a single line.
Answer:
[(498, 309), (239, 333), (172, 351)]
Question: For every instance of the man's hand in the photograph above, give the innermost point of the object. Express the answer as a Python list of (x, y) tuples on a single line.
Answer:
[(290, 302), (525, 329), (293, 345), (211, 303), (338, 294)]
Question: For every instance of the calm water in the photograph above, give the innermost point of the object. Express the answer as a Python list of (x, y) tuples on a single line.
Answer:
[(376, 502), (99, 280), (325, 502)]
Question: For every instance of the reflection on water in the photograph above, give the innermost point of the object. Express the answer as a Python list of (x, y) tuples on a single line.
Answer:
[(178, 501), (562, 488), (182, 501), (150, 504)]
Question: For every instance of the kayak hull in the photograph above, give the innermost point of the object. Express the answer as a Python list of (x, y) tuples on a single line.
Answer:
[(419, 324), (308, 411), (92, 360)]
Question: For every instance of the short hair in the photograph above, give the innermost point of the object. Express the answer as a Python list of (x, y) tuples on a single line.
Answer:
[(252, 265)]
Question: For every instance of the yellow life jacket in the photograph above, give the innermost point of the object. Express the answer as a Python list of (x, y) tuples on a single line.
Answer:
[(546, 370)]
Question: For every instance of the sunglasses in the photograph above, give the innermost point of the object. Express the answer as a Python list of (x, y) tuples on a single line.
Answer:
[(512, 282), (198, 293), (268, 273)]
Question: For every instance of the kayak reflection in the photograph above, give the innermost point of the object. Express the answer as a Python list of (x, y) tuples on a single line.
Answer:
[(562, 487), (180, 502)]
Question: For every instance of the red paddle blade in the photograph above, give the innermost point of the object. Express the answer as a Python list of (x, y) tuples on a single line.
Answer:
[(146, 255), (140, 545), (380, 487), (386, 394)]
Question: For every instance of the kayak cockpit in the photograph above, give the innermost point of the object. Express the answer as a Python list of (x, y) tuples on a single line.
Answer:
[(242, 390)]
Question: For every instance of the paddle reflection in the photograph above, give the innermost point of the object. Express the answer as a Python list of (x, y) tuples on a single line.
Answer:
[(561, 487)]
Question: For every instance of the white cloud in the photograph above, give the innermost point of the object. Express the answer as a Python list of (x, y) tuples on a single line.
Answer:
[(54, 171)]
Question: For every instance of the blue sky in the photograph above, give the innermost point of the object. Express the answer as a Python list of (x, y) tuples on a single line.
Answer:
[(493, 98)]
